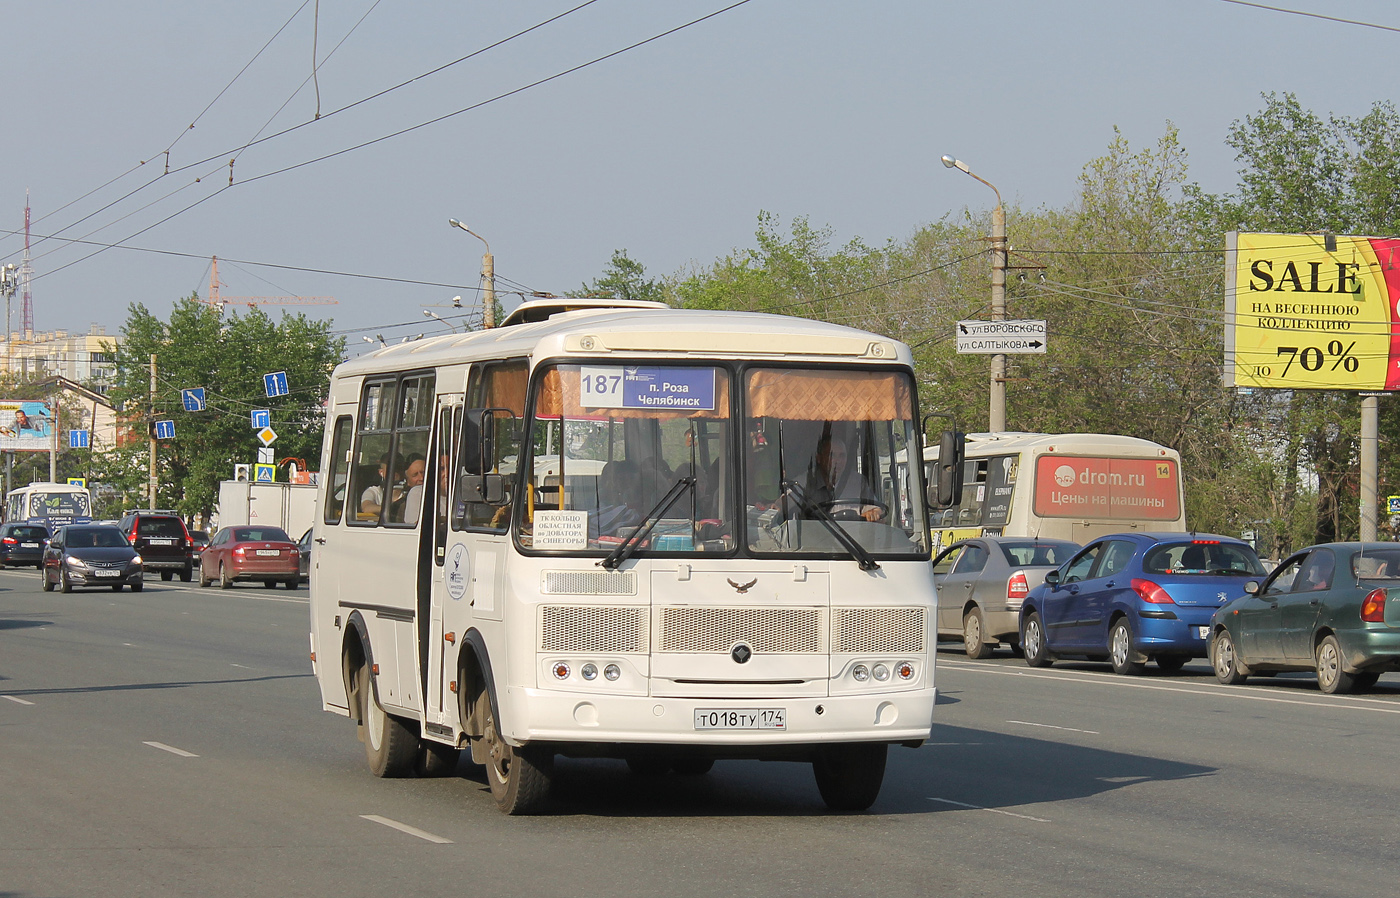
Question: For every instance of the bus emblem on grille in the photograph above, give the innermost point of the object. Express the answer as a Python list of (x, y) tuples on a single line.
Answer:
[(742, 588), (741, 653)]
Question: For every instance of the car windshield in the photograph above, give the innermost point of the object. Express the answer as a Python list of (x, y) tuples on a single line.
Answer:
[(260, 534), (1378, 565), (1203, 557), (159, 527), (29, 533), (103, 538), (1032, 553)]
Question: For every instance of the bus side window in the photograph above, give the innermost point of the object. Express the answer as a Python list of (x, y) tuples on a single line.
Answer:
[(499, 386), (338, 481)]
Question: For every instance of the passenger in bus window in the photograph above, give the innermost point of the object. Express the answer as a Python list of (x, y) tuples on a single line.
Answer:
[(372, 499), (412, 503)]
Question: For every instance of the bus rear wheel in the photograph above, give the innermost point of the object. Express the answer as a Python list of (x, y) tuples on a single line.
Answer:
[(519, 777), (849, 776), (390, 746)]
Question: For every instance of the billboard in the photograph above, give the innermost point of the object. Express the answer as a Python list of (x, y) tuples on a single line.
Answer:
[(1312, 312), (26, 425), (1119, 489)]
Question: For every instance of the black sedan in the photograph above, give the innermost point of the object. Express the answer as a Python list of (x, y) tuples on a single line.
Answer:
[(91, 555), (22, 544)]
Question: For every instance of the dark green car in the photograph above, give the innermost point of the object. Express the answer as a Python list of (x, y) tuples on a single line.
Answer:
[(1332, 608)]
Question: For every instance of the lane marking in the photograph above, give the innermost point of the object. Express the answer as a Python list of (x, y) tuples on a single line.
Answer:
[(172, 749), (974, 807), (1249, 693), (18, 701), (405, 828), (1051, 726)]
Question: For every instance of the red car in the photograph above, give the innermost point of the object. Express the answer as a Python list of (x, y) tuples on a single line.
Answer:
[(264, 554)]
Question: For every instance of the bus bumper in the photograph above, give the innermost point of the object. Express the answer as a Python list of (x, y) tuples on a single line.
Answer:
[(536, 715)]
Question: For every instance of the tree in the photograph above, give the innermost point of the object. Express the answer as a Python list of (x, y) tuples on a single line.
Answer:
[(624, 278), (226, 355)]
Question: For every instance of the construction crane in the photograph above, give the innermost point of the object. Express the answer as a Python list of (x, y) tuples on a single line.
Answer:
[(218, 300)]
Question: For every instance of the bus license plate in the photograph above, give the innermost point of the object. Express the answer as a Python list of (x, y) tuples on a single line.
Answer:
[(741, 719), (273, 552), (101, 573)]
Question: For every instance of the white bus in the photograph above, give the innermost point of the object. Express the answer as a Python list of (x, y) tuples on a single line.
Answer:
[(1073, 486), (52, 504), (658, 535)]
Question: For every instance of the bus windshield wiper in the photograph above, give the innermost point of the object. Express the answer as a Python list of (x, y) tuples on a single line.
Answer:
[(863, 558), (629, 545)]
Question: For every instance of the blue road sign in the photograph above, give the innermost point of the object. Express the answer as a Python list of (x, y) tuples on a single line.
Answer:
[(1392, 504), (264, 473), (77, 439), (275, 384), (165, 430), (261, 418), (193, 399), (78, 481)]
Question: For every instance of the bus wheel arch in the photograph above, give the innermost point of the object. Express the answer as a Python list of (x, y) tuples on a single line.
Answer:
[(519, 776)]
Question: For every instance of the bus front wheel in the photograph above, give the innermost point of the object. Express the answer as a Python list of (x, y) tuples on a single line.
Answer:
[(849, 776), (519, 777)]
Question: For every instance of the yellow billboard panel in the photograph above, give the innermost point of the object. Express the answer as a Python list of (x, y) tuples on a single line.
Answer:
[(1312, 312)]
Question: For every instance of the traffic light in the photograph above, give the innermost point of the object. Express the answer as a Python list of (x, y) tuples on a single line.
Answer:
[(240, 473)]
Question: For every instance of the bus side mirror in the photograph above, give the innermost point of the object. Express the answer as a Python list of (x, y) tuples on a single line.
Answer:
[(481, 482), (946, 491)]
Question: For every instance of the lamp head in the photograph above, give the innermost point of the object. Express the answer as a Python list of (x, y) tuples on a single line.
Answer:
[(456, 302), (950, 162)]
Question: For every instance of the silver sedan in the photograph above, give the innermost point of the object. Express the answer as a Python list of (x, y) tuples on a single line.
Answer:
[(982, 581)]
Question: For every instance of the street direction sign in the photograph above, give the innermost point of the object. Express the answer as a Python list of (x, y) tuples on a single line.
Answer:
[(265, 455), (264, 474), (77, 439), (275, 384), (1001, 337), (261, 418), (165, 430), (193, 399), (267, 435)]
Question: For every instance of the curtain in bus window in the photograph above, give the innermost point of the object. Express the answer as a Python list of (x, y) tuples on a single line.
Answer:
[(798, 394)]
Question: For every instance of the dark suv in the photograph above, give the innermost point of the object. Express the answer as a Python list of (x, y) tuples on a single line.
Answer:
[(22, 544), (162, 540)]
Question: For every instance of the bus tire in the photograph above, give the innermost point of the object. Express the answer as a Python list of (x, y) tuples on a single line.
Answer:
[(849, 776), (436, 759), (391, 747), (519, 777), (972, 635)]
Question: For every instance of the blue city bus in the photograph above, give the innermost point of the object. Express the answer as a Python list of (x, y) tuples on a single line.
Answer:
[(52, 504)]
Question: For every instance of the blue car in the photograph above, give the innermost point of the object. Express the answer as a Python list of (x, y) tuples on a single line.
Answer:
[(1134, 597)]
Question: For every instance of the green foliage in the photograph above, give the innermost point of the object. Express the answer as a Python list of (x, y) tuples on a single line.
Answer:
[(227, 355), (624, 278)]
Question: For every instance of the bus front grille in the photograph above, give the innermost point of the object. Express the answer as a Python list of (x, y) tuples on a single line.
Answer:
[(878, 631), (764, 630), (593, 628)]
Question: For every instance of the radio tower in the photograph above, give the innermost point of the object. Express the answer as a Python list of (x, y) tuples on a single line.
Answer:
[(26, 273)]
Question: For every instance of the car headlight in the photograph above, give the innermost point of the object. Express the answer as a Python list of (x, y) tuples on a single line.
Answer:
[(76, 562), (136, 560)]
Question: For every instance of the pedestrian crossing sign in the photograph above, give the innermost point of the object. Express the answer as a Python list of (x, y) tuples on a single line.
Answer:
[(264, 473)]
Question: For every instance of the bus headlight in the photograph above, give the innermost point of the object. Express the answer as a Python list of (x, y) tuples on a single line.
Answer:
[(904, 670), (860, 673), (589, 671), (881, 672), (612, 672)]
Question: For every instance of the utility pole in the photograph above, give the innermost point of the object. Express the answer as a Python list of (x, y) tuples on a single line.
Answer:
[(997, 409), (488, 274), (151, 435)]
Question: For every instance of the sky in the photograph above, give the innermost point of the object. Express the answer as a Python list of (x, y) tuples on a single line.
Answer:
[(836, 111)]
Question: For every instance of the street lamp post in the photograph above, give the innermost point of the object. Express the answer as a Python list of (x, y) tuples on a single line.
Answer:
[(429, 313), (997, 414), (488, 273)]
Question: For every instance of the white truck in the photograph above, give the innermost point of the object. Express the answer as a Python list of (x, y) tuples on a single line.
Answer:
[(291, 506)]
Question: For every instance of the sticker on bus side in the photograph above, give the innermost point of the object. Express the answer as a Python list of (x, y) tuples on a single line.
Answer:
[(1113, 488)]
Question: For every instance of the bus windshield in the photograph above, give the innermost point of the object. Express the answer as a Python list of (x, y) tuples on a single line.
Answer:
[(650, 458), (66, 504)]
